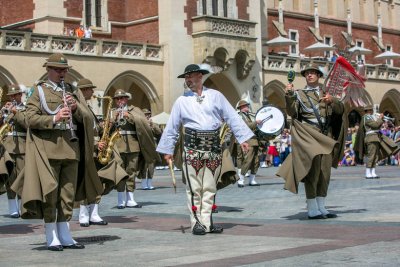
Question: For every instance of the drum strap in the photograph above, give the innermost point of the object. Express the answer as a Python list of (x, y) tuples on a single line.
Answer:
[(316, 112)]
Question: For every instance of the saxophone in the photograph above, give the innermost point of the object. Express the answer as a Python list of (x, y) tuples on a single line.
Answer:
[(104, 155), (6, 127), (223, 132)]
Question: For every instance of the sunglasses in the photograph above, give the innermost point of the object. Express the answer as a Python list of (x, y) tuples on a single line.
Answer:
[(59, 70)]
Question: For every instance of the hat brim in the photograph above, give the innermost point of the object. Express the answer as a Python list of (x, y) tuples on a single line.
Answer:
[(14, 93), (303, 72), (56, 65), (118, 96), (87, 86), (201, 71)]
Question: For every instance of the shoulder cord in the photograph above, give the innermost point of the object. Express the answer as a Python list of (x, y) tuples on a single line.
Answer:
[(43, 102)]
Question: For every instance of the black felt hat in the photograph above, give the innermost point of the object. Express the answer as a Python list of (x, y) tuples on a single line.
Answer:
[(193, 68)]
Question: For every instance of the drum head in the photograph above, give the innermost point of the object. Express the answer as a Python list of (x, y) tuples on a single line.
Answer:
[(272, 119)]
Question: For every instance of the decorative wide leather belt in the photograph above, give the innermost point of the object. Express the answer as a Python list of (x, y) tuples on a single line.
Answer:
[(202, 140)]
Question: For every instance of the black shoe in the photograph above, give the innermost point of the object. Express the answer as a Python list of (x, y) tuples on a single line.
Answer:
[(330, 216), (216, 230), (317, 217), (376, 177), (366, 177), (74, 246), (240, 185), (138, 206), (84, 224), (55, 248), (14, 216), (254, 184), (98, 223), (120, 207), (198, 229), (214, 211)]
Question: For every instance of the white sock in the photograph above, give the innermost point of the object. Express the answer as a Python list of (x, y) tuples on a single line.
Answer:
[(149, 183), (312, 207), (64, 234), (50, 230), (321, 205), (94, 213), (121, 199), (83, 214), (130, 200)]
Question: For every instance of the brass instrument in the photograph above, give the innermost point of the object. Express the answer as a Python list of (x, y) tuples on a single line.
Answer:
[(224, 130), (121, 120), (385, 118), (104, 155), (73, 138), (6, 127)]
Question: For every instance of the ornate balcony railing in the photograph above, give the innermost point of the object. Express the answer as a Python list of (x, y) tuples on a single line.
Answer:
[(286, 63), (26, 41)]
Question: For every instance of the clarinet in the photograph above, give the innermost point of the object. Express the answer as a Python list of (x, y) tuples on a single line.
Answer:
[(73, 138)]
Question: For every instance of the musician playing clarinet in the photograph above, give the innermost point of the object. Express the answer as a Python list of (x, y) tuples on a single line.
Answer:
[(318, 132), (52, 181)]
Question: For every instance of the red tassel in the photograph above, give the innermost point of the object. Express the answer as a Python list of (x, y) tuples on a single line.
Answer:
[(194, 208), (214, 207)]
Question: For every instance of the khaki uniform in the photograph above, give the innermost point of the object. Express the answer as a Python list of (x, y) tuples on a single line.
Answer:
[(315, 172), (372, 126), (250, 160), (136, 138), (15, 143), (147, 169)]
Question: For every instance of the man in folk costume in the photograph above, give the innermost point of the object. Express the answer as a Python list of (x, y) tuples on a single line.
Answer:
[(136, 141), (315, 141), (110, 173), (201, 112), (53, 178), (14, 143), (250, 161), (373, 144), (146, 172)]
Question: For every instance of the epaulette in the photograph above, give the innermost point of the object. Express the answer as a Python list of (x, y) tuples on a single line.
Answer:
[(38, 82)]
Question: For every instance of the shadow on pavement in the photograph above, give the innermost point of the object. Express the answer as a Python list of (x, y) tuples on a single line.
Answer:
[(98, 240), (120, 219), (229, 209), (303, 215), (19, 229)]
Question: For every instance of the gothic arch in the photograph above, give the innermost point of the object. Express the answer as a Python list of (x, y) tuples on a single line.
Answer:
[(223, 84), (390, 104), (274, 91), (144, 95)]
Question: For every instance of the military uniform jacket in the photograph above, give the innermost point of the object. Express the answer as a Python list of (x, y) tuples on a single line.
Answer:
[(15, 141), (44, 142), (142, 140), (372, 125), (308, 141), (252, 125)]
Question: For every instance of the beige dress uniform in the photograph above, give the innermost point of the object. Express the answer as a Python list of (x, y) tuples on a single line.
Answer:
[(14, 143), (372, 125)]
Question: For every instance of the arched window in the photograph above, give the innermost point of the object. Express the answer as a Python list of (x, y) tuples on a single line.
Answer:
[(215, 7), (204, 7), (95, 13), (225, 7)]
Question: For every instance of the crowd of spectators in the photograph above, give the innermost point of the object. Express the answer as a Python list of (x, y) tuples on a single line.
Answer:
[(350, 159), (79, 32), (275, 151)]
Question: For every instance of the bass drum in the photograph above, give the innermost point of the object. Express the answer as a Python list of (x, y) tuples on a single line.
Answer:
[(272, 122)]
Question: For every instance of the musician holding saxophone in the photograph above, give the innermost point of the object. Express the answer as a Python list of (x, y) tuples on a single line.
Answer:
[(372, 143), (52, 180), (136, 141), (14, 142), (106, 157)]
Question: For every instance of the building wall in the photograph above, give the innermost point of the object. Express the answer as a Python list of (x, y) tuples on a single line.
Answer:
[(11, 11)]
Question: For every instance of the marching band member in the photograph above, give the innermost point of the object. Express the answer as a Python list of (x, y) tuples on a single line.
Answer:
[(200, 112), (53, 178), (14, 143), (250, 161), (315, 143), (146, 172), (371, 142), (136, 140), (110, 173)]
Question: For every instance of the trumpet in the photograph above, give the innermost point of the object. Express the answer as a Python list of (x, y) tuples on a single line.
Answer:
[(121, 120), (73, 138), (385, 118), (6, 110)]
